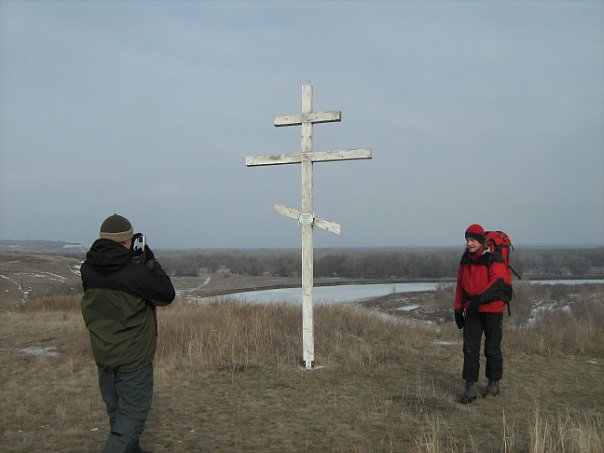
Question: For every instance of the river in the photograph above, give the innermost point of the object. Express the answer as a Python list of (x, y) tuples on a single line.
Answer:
[(355, 293)]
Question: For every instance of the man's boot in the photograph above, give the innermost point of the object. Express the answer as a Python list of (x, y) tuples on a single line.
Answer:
[(469, 394), (492, 388)]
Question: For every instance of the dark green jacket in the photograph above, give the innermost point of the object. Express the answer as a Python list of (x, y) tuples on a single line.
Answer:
[(118, 306)]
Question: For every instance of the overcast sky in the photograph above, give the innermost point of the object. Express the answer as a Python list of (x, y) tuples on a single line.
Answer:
[(488, 112)]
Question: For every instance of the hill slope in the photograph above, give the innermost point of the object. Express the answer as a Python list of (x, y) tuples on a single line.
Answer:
[(24, 276)]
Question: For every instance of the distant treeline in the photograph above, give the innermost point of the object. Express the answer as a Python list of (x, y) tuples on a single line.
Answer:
[(378, 264)]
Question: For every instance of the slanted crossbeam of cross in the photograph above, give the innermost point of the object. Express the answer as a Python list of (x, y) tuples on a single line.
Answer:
[(306, 217)]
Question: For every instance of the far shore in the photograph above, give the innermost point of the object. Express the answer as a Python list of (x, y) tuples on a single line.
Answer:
[(241, 284)]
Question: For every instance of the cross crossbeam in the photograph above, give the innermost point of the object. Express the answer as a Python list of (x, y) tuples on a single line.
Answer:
[(296, 158), (318, 117), (306, 217)]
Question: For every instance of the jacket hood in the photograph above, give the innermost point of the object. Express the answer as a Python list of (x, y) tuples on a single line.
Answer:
[(108, 256)]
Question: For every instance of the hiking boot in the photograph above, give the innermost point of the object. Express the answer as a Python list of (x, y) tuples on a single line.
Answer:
[(469, 394), (492, 389)]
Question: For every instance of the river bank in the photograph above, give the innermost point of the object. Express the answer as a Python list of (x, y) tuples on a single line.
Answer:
[(218, 284), (212, 285)]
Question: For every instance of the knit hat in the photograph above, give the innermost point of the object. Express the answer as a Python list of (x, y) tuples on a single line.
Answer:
[(116, 228), (475, 231)]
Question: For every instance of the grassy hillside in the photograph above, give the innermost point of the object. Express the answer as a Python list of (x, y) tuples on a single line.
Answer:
[(29, 276), (228, 379)]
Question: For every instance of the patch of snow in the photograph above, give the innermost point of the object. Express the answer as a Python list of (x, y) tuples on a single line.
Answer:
[(48, 275), (75, 269), (542, 307), (24, 292), (407, 321), (184, 292), (39, 352), (408, 307), (446, 343)]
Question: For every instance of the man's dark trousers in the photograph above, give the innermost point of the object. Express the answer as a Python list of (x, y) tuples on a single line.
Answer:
[(128, 398), (492, 326)]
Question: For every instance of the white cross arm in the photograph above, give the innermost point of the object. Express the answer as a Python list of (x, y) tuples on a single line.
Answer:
[(312, 117), (273, 159), (345, 154), (328, 225), (319, 156), (311, 219)]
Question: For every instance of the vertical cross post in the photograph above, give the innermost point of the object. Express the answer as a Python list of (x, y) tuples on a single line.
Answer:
[(308, 341), (306, 217)]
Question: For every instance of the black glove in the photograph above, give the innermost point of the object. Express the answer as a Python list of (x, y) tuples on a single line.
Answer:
[(148, 254), (474, 305), (459, 319)]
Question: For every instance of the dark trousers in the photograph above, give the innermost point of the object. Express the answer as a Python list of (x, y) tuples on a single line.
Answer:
[(492, 326), (128, 399)]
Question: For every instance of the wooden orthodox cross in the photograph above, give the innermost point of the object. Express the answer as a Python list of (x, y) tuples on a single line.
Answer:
[(306, 217)]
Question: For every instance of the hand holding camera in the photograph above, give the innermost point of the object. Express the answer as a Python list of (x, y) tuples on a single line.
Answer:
[(140, 248)]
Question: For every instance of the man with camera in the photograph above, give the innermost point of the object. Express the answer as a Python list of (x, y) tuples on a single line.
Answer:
[(123, 284)]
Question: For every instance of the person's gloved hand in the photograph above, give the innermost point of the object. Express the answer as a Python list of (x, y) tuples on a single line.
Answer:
[(459, 319), (474, 305), (148, 254)]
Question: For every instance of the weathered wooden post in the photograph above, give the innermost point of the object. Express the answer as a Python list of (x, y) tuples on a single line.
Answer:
[(306, 217)]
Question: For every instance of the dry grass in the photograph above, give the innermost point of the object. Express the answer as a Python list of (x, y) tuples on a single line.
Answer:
[(228, 379), (557, 320), (565, 433)]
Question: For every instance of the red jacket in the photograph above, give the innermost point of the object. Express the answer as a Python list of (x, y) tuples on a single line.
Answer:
[(482, 275)]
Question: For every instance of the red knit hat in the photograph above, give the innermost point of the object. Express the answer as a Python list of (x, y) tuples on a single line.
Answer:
[(475, 231)]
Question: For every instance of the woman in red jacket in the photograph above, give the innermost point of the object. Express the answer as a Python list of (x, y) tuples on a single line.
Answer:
[(479, 305)]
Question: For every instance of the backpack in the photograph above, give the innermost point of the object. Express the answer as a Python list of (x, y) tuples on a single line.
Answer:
[(500, 242)]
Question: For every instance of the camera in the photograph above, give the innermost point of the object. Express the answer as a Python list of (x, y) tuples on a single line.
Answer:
[(138, 243)]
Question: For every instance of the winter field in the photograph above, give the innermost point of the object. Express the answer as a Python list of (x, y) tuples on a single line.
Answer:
[(228, 377)]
